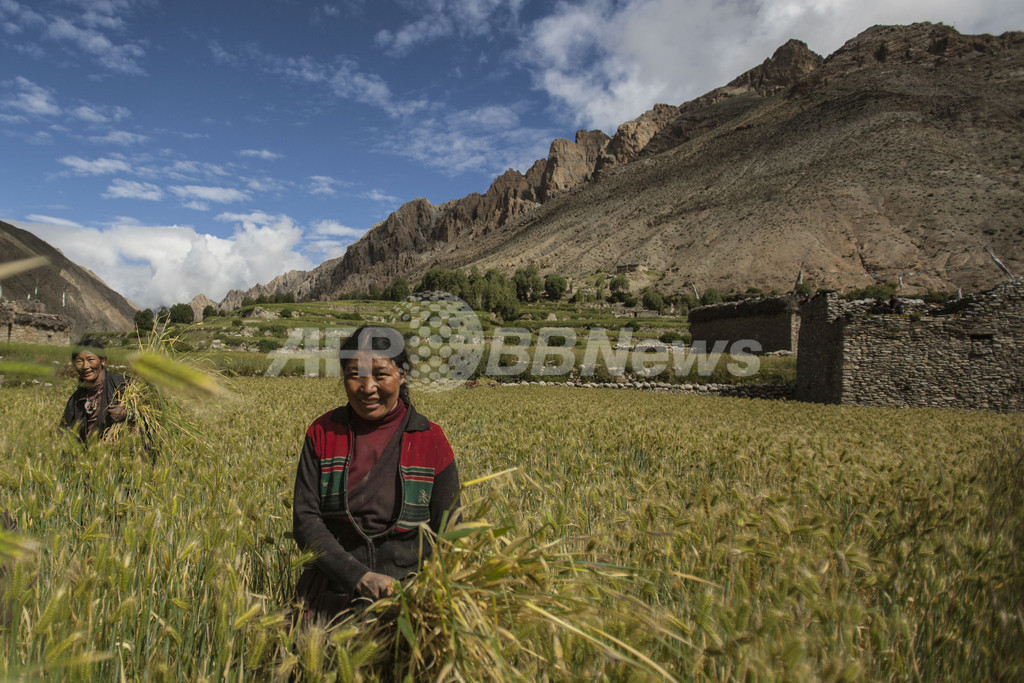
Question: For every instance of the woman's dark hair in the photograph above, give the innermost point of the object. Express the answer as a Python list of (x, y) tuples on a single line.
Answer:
[(93, 346), (387, 340)]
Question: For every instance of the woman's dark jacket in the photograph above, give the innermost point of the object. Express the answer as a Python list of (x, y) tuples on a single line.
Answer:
[(428, 486), (74, 412)]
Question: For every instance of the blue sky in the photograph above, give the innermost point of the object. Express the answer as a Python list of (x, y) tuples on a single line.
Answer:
[(183, 147)]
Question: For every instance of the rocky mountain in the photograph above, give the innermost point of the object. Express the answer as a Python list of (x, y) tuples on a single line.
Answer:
[(899, 154), (64, 287)]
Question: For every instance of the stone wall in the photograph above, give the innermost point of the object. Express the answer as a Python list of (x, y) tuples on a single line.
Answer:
[(774, 323), (819, 361), (968, 355), (26, 322)]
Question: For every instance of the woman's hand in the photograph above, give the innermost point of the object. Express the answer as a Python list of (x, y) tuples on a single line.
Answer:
[(117, 413), (375, 586)]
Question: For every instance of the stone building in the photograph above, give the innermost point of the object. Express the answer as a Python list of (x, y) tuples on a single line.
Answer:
[(969, 354), (773, 322), (28, 321)]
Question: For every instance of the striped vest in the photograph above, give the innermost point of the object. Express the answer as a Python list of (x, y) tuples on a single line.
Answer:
[(424, 453)]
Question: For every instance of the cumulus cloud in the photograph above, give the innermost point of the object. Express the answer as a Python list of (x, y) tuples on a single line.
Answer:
[(260, 154), (156, 265), (606, 63), (131, 189), (102, 166)]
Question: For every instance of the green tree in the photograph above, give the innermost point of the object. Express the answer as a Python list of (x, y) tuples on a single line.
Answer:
[(619, 288), (805, 289), (397, 290), (710, 296), (209, 311), (144, 320), (555, 286), (181, 313), (528, 283), (454, 282), (652, 300)]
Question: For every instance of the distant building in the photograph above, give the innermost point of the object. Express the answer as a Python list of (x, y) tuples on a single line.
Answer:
[(28, 322), (773, 322), (624, 268), (969, 354)]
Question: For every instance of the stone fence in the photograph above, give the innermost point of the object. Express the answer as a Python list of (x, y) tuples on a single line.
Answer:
[(773, 322)]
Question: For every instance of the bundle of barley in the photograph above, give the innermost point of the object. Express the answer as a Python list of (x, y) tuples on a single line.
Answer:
[(157, 398), (490, 605)]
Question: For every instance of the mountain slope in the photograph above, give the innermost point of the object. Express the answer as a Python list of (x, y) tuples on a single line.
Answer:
[(66, 288), (898, 153)]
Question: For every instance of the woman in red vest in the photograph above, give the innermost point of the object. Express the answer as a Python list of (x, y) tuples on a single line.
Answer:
[(371, 473)]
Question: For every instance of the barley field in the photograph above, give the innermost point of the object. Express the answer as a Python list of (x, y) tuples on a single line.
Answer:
[(640, 536)]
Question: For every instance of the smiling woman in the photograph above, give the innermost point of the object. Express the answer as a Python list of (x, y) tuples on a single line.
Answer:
[(371, 474), (95, 406)]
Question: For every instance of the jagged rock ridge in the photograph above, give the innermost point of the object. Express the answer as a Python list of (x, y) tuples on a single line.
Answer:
[(895, 153)]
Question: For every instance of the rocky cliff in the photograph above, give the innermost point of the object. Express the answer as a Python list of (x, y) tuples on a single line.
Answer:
[(899, 153)]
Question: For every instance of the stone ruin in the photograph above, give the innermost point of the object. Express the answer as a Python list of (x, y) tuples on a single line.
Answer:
[(28, 322), (968, 354)]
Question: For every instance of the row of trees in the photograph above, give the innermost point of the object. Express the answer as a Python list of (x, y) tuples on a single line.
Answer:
[(492, 291), (146, 320)]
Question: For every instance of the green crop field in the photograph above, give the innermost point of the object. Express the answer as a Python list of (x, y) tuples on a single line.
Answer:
[(642, 536)]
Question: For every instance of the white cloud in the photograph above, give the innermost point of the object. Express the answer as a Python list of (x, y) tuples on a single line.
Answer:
[(485, 140), (197, 196), (119, 137), (322, 184), (91, 113), (62, 222), (130, 189), (321, 250), (121, 58), (380, 196), (18, 18), (342, 76), (260, 154), (95, 167), (329, 228), (606, 63), (266, 184), (446, 18), (157, 265), (220, 55), (31, 99), (187, 169)]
